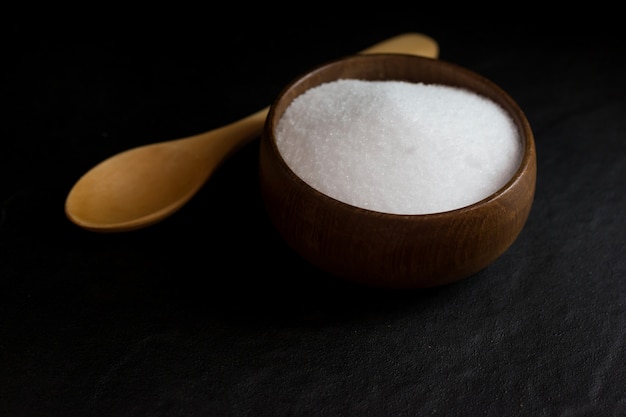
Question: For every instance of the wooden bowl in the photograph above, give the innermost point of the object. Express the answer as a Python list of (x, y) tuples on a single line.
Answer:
[(394, 250)]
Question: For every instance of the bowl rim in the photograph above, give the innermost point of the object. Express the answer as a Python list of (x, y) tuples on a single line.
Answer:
[(526, 164)]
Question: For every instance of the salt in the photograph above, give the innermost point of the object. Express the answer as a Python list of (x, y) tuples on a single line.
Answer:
[(399, 147)]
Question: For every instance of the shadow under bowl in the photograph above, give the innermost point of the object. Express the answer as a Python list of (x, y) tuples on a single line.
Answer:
[(394, 250)]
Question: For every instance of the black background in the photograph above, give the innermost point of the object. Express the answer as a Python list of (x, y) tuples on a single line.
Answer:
[(208, 313)]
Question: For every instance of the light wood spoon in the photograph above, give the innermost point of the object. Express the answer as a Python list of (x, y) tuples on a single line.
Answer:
[(144, 185)]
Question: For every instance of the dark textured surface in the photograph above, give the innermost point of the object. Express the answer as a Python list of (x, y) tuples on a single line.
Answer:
[(209, 314)]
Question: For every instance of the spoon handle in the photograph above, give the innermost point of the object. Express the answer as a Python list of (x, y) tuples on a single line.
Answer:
[(406, 43), (226, 140)]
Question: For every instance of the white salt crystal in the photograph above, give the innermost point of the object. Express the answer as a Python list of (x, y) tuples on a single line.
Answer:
[(399, 147)]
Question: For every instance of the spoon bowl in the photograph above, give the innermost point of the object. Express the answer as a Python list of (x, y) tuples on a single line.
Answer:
[(394, 250), (144, 185)]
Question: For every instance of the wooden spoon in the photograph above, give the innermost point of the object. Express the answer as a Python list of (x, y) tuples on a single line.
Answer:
[(144, 185)]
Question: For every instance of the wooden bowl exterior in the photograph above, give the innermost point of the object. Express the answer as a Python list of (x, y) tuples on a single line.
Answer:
[(391, 250)]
